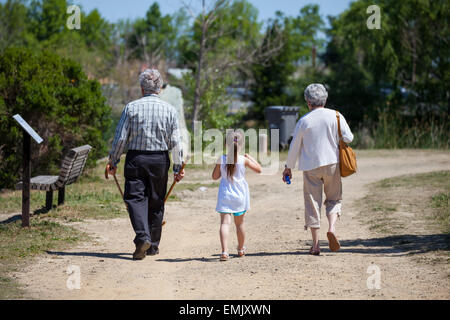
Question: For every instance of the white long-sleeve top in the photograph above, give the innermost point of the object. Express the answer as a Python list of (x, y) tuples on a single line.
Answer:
[(316, 140)]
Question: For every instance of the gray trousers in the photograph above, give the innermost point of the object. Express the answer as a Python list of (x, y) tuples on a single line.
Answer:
[(146, 175), (328, 179)]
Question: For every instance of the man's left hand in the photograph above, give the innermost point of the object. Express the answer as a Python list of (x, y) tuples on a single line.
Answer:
[(179, 176)]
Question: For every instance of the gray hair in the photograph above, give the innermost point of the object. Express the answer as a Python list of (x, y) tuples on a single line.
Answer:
[(316, 95), (151, 81)]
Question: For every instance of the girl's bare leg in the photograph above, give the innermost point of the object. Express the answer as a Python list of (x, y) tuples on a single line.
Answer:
[(225, 222), (240, 230)]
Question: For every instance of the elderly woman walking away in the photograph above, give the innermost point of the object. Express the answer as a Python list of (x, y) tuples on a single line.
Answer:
[(316, 144), (148, 128)]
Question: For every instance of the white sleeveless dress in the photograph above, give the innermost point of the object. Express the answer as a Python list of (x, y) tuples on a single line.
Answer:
[(233, 196)]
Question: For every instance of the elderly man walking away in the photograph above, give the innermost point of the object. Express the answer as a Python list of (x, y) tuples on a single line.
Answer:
[(316, 144), (149, 129)]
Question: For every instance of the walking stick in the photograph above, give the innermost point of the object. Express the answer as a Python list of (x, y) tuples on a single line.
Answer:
[(120, 189), (118, 186), (174, 183), (168, 193)]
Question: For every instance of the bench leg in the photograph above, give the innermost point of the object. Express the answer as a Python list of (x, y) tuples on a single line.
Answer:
[(49, 200), (61, 195)]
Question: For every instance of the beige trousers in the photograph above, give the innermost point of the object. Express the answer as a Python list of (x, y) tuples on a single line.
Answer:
[(327, 178)]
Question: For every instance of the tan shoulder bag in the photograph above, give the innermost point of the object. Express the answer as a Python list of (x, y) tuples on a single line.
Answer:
[(347, 157)]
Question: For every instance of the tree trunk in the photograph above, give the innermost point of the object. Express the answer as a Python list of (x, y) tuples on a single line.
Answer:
[(198, 76), (314, 54), (414, 59)]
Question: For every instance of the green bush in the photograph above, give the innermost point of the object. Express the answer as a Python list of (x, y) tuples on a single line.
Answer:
[(58, 100), (397, 130)]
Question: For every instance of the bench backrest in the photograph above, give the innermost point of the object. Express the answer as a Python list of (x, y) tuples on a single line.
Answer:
[(73, 165)]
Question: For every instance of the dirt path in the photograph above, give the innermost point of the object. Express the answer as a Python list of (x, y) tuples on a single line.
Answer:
[(277, 265)]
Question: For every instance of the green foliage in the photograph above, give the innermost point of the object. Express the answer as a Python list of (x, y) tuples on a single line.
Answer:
[(47, 18), (272, 78), (394, 130), (214, 113), (275, 82), (56, 98), (41, 24), (14, 28), (304, 30), (403, 63), (391, 84), (96, 31), (154, 36), (236, 26), (214, 48)]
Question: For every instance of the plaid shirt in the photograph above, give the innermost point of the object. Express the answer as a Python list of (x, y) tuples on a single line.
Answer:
[(148, 124)]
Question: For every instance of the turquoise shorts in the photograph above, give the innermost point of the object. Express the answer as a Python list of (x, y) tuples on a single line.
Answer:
[(237, 214)]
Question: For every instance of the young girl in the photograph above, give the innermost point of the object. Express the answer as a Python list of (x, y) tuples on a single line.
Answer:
[(234, 196)]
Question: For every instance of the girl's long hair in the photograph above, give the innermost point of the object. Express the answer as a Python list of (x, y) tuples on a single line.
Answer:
[(234, 143)]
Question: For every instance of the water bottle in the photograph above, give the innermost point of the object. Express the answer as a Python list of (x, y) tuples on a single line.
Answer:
[(288, 180)]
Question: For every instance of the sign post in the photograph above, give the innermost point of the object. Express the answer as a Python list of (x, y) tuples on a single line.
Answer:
[(28, 133)]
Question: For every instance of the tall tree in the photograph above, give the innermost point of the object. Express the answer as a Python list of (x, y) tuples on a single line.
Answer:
[(224, 41), (47, 18), (14, 29), (154, 37), (306, 31), (96, 31), (404, 62), (275, 81), (272, 77)]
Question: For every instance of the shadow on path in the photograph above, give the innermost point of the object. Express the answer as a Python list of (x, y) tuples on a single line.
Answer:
[(407, 244), (12, 219), (255, 254), (36, 212), (399, 245), (123, 256)]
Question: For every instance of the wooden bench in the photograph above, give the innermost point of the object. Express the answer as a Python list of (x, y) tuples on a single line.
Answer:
[(72, 167)]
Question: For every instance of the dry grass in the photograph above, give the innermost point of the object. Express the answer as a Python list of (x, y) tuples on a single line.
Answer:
[(414, 210), (408, 202), (18, 245)]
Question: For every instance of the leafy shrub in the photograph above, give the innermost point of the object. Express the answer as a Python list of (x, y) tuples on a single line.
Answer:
[(58, 100)]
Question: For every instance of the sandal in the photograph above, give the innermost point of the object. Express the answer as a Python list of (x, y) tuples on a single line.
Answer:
[(333, 242), (313, 252), (224, 256), (241, 253)]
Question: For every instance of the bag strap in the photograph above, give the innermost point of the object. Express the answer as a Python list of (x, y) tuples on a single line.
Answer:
[(339, 124)]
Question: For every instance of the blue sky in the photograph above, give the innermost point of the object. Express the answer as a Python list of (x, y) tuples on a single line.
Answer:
[(114, 10)]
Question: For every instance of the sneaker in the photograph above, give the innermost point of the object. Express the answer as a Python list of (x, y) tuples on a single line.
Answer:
[(141, 249)]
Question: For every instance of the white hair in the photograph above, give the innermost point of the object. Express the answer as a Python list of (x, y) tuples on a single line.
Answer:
[(316, 95), (151, 81)]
